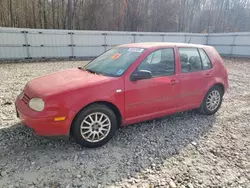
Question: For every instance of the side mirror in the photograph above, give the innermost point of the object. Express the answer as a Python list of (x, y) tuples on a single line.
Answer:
[(141, 75)]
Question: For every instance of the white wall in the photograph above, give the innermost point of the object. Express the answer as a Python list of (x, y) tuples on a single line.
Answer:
[(18, 43)]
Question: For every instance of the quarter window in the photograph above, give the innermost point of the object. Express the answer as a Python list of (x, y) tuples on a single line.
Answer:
[(160, 63), (205, 60), (190, 60)]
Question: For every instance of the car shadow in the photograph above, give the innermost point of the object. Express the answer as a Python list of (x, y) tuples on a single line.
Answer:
[(132, 149)]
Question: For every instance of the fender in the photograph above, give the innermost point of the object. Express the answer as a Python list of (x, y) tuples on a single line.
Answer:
[(93, 95), (213, 82), (86, 103)]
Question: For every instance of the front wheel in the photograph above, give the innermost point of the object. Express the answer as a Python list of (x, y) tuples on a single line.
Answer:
[(94, 126), (212, 101)]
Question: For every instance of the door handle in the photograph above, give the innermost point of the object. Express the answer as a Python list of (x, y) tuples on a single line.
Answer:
[(208, 74), (173, 82)]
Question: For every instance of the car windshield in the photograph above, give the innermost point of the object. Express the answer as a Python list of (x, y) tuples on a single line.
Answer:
[(114, 62)]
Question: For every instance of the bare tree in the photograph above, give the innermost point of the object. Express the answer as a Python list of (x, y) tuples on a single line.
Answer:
[(70, 14), (129, 15)]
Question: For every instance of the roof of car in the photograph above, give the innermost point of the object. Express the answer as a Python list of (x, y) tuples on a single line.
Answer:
[(160, 44)]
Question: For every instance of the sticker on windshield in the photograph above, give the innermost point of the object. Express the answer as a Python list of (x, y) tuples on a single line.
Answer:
[(135, 50), (116, 56), (119, 72)]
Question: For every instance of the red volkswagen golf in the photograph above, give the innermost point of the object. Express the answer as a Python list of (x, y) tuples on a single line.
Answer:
[(127, 84)]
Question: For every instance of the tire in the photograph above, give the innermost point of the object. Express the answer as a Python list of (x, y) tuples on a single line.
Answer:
[(207, 109), (85, 126)]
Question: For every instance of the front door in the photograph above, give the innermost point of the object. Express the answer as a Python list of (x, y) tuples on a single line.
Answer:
[(149, 98)]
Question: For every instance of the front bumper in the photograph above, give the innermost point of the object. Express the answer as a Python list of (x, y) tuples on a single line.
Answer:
[(43, 126)]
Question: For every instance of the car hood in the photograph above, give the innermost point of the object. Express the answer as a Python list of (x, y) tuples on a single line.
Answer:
[(63, 81)]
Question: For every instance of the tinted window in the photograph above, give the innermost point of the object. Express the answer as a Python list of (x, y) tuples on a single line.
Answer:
[(190, 60), (205, 60), (115, 61), (160, 63)]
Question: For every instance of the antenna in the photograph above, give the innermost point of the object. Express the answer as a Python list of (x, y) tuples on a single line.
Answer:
[(190, 40)]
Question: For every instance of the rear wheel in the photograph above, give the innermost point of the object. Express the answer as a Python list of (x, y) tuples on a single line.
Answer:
[(94, 126), (212, 101)]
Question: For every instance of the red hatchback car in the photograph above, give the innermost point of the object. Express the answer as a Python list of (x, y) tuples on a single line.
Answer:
[(127, 84)]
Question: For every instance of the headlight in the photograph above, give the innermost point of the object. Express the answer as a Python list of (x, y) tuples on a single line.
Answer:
[(36, 104)]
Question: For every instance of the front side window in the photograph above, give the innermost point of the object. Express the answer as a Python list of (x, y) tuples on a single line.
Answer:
[(190, 60), (159, 63), (115, 61)]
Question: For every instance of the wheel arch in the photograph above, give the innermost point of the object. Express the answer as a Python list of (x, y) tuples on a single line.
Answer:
[(216, 84), (221, 86), (110, 105)]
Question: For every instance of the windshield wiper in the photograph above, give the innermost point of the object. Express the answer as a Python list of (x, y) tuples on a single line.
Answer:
[(91, 71)]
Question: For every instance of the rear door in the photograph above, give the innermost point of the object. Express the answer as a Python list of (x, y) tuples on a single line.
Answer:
[(196, 71)]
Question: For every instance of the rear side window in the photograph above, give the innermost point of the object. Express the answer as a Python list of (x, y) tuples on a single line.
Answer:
[(190, 60), (205, 60)]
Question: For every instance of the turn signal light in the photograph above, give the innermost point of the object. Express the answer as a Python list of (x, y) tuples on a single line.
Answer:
[(59, 118)]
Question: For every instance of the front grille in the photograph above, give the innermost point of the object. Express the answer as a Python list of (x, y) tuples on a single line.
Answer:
[(25, 98)]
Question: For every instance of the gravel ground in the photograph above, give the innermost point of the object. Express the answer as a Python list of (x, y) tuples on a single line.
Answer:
[(184, 150)]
